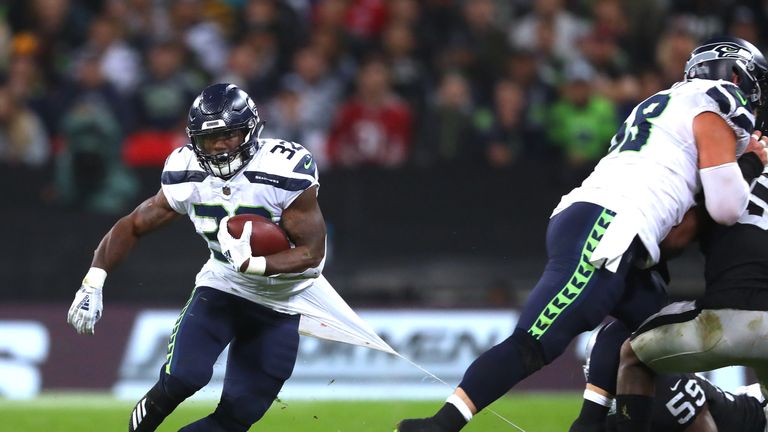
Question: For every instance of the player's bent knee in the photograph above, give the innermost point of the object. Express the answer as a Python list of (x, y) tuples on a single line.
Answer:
[(188, 380), (531, 351), (176, 388)]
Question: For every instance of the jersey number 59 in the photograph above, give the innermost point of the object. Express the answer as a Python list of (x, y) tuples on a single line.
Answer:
[(684, 408)]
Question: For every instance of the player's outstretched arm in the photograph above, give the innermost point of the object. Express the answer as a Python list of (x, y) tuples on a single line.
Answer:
[(150, 215), (86, 309)]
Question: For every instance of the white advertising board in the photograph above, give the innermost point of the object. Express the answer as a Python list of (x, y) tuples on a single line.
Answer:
[(442, 342)]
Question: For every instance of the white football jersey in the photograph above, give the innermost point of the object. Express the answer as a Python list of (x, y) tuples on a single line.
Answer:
[(277, 174), (650, 175)]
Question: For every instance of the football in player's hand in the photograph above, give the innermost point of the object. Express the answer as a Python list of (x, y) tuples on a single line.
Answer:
[(267, 237)]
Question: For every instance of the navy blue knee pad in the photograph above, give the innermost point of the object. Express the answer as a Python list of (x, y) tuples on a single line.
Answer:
[(177, 388), (531, 351)]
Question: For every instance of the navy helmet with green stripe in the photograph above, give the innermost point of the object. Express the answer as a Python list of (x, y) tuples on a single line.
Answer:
[(222, 109), (722, 57)]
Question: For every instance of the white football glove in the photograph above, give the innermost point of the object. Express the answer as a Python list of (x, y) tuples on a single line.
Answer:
[(87, 307), (237, 250)]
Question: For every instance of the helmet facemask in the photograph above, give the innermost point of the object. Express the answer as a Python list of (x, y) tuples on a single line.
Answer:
[(228, 163), (753, 81)]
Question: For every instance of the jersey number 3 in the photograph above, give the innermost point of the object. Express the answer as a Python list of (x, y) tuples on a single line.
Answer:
[(633, 135)]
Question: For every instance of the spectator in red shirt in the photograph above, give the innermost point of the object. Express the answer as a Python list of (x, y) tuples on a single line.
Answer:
[(373, 127)]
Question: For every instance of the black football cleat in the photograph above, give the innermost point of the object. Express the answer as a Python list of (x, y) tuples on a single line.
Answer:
[(419, 425)]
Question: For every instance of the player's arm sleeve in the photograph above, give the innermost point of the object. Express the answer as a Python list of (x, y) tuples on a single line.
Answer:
[(726, 192), (175, 204)]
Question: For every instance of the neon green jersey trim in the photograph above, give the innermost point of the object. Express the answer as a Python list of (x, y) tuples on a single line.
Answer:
[(576, 283)]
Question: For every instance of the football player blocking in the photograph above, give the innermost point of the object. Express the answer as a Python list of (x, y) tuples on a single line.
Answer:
[(725, 326), (259, 312), (604, 235), (684, 402)]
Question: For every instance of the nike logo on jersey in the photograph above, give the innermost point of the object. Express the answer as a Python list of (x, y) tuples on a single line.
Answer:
[(741, 98), (306, 166), (674, 387)]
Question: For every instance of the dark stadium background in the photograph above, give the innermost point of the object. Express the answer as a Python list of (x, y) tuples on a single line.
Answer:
[(457, 222)]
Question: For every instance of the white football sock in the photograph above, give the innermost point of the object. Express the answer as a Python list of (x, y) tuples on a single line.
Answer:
[(461, 406)]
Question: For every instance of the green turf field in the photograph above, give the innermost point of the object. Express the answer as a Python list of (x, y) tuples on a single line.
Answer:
[(68, 413)]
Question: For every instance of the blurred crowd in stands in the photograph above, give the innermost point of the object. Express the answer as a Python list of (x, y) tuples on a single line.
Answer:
[(91, 89)]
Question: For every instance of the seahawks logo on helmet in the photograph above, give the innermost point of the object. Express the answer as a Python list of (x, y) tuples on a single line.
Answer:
[(731, 51), (721, 58)]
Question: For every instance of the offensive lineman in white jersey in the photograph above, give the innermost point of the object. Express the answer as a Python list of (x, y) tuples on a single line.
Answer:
[(228, 170), (727, 325), (603, 236)]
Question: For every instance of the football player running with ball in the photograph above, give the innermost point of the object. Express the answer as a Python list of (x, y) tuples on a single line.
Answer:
[(604, 235), (226, 170)]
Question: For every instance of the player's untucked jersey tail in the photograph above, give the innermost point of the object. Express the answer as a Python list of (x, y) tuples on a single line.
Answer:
[(649, 175)]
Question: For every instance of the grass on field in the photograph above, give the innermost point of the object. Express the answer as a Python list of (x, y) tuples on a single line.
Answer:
[(68, 413)]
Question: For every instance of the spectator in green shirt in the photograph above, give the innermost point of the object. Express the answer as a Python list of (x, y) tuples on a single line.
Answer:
[(581, 122)]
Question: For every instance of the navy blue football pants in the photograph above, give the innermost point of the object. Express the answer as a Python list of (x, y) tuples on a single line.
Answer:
[(263, 345), (571, 297)]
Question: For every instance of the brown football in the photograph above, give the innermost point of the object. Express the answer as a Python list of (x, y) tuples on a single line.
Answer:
[(267, 238)]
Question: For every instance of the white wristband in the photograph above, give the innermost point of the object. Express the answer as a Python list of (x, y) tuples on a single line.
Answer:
[(256, 266), (95, 277)]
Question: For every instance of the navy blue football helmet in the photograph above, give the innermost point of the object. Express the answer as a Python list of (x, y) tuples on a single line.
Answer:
[(720, 58), (219, 109)]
